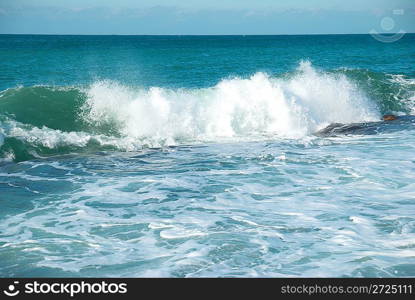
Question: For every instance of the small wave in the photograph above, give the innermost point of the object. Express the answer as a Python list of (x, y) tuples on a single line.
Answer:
[(405, 91)]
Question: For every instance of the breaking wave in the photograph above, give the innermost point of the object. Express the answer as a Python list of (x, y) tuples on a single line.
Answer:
[(41, 120)]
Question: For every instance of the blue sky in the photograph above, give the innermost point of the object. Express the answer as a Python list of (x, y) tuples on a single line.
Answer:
[(205, 17)]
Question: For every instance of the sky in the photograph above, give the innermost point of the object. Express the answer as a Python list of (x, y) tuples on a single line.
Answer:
[(206, 17)]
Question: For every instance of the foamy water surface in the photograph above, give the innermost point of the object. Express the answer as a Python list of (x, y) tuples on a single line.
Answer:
[(197, 157)]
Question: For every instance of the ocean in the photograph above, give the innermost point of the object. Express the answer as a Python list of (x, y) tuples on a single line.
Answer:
[(197, 156)]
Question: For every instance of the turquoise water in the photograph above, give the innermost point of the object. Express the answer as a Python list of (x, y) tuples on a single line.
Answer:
[(177, 156)]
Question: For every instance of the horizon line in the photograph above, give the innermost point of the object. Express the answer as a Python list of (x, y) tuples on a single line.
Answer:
[(259, 34)]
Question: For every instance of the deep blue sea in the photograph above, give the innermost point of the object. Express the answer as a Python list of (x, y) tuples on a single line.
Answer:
[(197, 156)]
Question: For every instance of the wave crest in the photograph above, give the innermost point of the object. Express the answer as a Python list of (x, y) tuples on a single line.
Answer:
[(286, 107)]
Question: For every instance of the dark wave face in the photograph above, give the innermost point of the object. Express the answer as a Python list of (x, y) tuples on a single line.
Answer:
[(106, 115), (55, 108)]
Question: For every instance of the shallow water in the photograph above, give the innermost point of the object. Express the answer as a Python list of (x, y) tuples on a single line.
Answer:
[(219, 177)]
